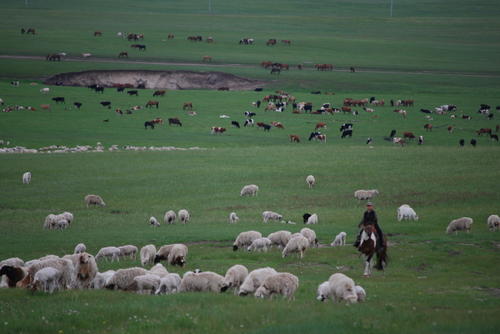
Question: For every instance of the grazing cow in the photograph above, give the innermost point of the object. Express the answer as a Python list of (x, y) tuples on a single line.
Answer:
[(493, 137), (16, 83), (275, 70), (210, 39), (294, 138), (321, 138), (266, 127), (133, 92), (286, 42), (346, 133), (59, 99), (207, 59), (150, 104), (466, 117), (171, 36), (141, 47), (346, 126), (187, 105), (150, 124), (450, 129), (420, 140), (106, 104), (483, 130), (428, 127), (271, 42), (473, 142), (249, 114), (401, 112), (346, 109), (369, 140), (235, 124), (85, 55), (249, 122), (425, 111), (393, 133), (45, 106), (159, 93), (175, 121), (399, 140), (54, 57), (77, 105), (246, 41), (217, 130), (97, 33), (370, 110), (277, 125), (157, 120), (320, 125), (352, 69), (123, 54), (461, 142), (408, 135)]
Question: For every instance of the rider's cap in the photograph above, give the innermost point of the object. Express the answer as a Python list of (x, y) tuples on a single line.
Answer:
[(369, 204)]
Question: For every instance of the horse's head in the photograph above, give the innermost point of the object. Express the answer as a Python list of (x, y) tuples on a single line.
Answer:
[(370, 229)]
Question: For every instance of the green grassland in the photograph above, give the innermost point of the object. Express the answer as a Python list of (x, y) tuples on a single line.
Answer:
[(435, 52)]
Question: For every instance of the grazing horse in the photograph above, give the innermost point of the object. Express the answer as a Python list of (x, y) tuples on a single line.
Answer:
[(275, 70), (271, 42), (352, 69), (97, 33), (150, 124), (133, 92), (123, 54), (368, 247)]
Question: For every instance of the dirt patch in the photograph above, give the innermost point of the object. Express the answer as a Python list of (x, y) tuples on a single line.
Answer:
[(172, 80), (494, 292)]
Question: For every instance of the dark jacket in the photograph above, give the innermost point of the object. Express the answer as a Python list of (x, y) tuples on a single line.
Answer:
[(370, 218)]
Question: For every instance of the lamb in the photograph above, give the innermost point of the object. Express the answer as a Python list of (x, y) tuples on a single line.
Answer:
[(184, 216), (460, 224), (128, 250), (361, 293), (296, 244), (270, 215), (233, 218), (365, 194), (406, 212), (94, 200), (109, 252), (245, 239), (153, 221), (170, 283), (283, 283), (312, 219), (339, 240), (280, 238), (310, 236), (101, 279), (147, 284), (259, 244), (175, 254), (249, 190), (254, 279), (339, 287), (158, 270), (148, 254), (169, 217), (311, 181), (123, 279), (234, 277), (47, 279), (27, 178), (493, 222), (65, 266), (205, 281)]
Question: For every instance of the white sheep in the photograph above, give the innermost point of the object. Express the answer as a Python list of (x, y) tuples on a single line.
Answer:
[(85, 270), (406, 212), (283, 284), (61, 224), (234, 277), (297, 244), (47, 279), (339, 287), (280, 238), (312, 219), (65, 266), (205, 281), (339, 240), (94, 200), (254, 279), (169, 217), (365, 194), (270, 215), (123, 279), (44, 90), (109, 252), (12, 261), (148, 254), (170, 283), (493, 222), (361, 293), (153, 221), (50, 221), (245, 239), (147, 284), (310, 235), (101, 279), (459, 224), (311, 181), (259, 244), (27, 178), (68, 216), (158, 270), (128, 250), (175, 254), (249, 190), (183, 216), (233, 218)]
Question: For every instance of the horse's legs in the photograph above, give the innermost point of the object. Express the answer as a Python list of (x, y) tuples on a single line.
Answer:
[(368, 269)]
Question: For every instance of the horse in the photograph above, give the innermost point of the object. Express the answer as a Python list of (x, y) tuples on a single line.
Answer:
[(174, 121), (150, 124), (275, 70), (368, 247), (97, 33)]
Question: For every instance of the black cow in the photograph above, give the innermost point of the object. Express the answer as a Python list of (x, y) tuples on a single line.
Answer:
[(346, 133), (308, 107), (461, 142), (258, 89), (174, 121), (59, 99), (133, 92), (120, 89), (150, 124), (249, 122), (266, 127), (473, 142), (106, 104), (346, 126), (426, 111), (494, 137), (393, 133), (77, 105), (236, 124), (249, 114)]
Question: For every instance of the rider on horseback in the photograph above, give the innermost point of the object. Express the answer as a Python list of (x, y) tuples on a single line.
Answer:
[(369, 218)]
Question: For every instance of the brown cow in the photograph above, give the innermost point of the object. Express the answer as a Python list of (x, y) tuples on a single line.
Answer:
[(294, 138), (408, 135), (320, 125), (207, 58), (428, 127), (277, 125), (483, 130), (217, 129), (97, 33), (159, 93), (150, 104), (450, 129), (45, 106)]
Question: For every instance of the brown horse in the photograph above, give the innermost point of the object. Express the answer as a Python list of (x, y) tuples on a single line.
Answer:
[(368, 247)]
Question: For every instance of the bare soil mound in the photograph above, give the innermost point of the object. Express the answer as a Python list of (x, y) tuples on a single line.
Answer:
[(155, 79)]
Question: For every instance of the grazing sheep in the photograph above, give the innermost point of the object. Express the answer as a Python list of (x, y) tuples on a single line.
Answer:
[(312, 219), (60, 221), (61, 224), (27, 178), (310, 236), (12, 261), (175, 254), (147, 284), (169, 217), (233, 218), (109, 252), (280, 238), (311, 181), (297, 244), (339, 240), (94, 200), (283, 284), (101, 279), (128, 250), (148, 254), (245, 239), (460, 224), (66, 267), (47, 279), (254, 279), (259, 244), (67, 216), (323, 291), (158, 270), (406, 212), (493, 222), (123, 279), (205, 281), (13, 274), (153, 221), (184, 216), (170, 283), (361, 293), (270, 215), (234, 277), (365, 194), (249, 190), (339, 287)]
